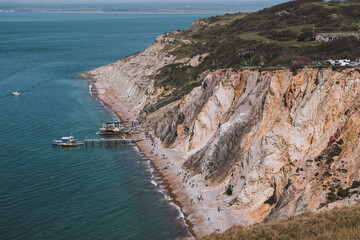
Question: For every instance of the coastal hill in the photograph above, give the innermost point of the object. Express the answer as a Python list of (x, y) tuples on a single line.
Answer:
[(260, 142), (280, 35)]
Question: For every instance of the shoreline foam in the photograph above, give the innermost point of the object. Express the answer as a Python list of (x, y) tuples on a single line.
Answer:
[(204, 205), (155, 171)]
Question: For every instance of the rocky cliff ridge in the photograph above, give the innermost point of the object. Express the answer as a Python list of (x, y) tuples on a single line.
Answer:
[(282, 144), (279, 143), (131, 79)]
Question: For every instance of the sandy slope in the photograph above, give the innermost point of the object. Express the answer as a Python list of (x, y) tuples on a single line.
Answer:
[(202, 216)]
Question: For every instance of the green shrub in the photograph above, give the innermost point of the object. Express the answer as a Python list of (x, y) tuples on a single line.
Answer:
[(284, 35), (305, 36)]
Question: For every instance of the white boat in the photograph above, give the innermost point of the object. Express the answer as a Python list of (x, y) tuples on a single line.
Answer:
[(64, 140), (16, 93), (67, 142)]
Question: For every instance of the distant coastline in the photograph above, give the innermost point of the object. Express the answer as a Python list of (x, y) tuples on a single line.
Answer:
[(114, 12), (217, 8), (128, 12)]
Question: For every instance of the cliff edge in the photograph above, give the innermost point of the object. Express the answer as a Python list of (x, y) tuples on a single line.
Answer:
[(274, 143), (280, 144)]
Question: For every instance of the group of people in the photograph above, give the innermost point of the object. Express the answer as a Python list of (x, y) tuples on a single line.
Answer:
[(153, 143), (186, 178), (199, 198), (168, 164), (148, 135), (134, 123)]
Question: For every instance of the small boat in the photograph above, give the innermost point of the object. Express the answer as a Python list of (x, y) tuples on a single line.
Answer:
[(67, 142), (16, 93), (63, 140)]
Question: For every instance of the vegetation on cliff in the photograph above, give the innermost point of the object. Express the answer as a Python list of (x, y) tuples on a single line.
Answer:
[(274, 143), (280, 35), (343, 223)]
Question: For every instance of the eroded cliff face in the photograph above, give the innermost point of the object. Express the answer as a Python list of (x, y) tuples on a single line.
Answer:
[(131, 79), (280, 144)]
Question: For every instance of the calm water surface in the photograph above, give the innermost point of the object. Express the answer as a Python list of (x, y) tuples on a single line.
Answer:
[(80, 193)]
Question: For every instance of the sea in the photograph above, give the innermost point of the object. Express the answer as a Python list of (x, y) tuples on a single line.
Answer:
[(47, 192)]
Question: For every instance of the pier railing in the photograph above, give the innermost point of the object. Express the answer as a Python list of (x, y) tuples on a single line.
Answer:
[(108, 141)]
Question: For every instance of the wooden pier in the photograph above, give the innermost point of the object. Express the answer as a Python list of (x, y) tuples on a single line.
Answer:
[(108, 141)]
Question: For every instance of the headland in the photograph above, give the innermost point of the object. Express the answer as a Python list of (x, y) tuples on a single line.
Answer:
[(247, 127)]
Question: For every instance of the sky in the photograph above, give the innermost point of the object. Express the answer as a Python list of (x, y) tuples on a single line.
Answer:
[(205, 5), (128, 1)]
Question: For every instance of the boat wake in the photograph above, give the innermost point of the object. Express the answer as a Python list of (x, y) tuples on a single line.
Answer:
[(7, 95)]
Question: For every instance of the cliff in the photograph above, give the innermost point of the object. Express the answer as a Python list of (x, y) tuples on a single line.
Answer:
[(282, 144), (281, 35), (273, 143), (131, 79)]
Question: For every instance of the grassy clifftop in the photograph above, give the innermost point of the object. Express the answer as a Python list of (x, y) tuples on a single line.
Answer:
[(280, 35), (341, 223)]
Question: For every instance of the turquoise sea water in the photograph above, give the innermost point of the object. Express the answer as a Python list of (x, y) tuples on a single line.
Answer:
[(79, 193)]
